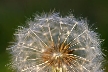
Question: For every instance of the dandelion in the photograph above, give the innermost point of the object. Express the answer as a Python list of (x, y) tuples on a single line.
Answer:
[(51, 43)]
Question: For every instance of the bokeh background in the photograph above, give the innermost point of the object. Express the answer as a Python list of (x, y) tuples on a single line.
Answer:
[(14, 13)]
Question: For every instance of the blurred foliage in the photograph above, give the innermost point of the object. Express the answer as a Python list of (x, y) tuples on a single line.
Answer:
[(14, 13)]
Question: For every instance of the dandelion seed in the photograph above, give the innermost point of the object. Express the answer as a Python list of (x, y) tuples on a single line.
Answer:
[(52, 43)]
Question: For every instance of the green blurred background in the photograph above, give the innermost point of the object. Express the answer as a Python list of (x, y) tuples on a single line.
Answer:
[(14, 13)]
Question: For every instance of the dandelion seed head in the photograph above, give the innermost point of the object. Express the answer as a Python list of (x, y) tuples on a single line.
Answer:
[(52, 43)]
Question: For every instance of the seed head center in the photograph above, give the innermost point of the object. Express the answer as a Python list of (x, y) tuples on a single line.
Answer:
[(56, 55)]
